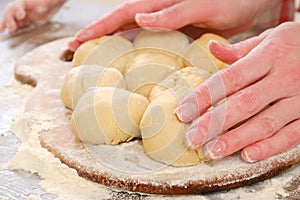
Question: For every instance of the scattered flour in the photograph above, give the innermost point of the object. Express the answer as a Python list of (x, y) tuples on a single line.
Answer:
[(57, 177)]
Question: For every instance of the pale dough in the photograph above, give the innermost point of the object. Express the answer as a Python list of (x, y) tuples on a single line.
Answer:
[(108, 115), (149, 67), (167, 40), (198, 55), (79, 79), (161, 66), (181, 82), (163, 133), (110, 52), (86, 48)]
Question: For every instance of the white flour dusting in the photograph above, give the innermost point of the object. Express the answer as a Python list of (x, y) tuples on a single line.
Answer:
[(59, 179)]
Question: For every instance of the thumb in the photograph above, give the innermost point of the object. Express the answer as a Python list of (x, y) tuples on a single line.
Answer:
[(229, 53), (173, 17)]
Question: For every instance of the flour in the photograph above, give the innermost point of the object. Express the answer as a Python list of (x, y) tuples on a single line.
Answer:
[(21, 89), (57, 177), (34, 197), (3, 166), (4, 198), (64, 181)]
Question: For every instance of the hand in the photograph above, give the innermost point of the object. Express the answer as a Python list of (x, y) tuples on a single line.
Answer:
[(21, 13), (225, 18), (265, 70)]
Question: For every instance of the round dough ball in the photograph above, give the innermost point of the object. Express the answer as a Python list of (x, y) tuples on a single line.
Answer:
[(163, 133), (173, 41), (84, 49), (78, 80), (204, 42), (197, 57), (181, 82), (110, 50), (147, 68), (108, 116)]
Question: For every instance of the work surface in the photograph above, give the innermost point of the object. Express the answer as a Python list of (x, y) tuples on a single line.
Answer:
[(17, 184)]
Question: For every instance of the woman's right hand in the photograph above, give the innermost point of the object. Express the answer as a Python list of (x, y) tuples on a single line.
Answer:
[(223, 17)]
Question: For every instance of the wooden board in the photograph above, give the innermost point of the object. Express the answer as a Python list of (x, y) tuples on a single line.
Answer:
[(124, 167)]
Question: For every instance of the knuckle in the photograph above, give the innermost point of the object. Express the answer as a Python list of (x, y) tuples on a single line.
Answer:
[(248, 101), (203, 98), (275, 48), (242, 45), (289, 79), (232, 79), (295, 139), (266, 149), (169, 13), (267, 125), (126, 9)]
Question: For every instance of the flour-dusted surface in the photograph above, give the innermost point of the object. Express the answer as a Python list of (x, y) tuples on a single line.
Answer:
[(18, 184), (125, 167)]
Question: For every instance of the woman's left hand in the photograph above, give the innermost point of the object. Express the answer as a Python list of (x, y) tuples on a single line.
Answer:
[(264, 70)]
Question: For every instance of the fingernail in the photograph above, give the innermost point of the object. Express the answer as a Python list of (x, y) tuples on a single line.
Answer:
[(251, 154), (224, 45), (141, 18), (185, 112), (214, 149), (189, 138), (194, 137)]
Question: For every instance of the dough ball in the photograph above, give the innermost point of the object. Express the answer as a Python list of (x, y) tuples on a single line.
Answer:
[(79, 79), (173, 41), (163, 133), (84, 49), (110, 50), (107, 115), (147, 68), (181, 82), (204, 41), (197, 57)]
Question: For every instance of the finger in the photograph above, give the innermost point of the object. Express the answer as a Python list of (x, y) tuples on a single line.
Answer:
[(19, 11), (2, 26), (259, 127), (283, 140), (8, 19), (74, 44), (122, 15), (180, 14), (229, 53), (235, 109), (223, 84)]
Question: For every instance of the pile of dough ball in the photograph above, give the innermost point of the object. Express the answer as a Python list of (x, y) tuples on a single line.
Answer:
[(119, 90)]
